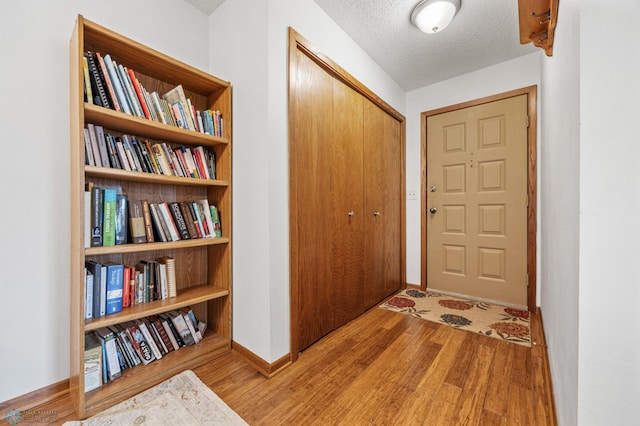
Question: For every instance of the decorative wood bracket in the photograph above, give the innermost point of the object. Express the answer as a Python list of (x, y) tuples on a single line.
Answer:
[(538, 20)]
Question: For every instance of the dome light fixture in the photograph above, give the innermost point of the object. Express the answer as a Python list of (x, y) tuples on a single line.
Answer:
[(433, 16)]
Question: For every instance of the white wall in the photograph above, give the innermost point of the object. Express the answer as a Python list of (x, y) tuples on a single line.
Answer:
[(609, 292), (514, 74), (34, 166), (254, 58), (560, 215)]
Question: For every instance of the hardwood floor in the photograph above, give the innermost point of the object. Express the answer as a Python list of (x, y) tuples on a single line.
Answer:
[(386, 368)]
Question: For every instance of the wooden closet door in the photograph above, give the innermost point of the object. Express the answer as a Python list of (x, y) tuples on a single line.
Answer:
[(348, 214), (311, 168), (382, 204)]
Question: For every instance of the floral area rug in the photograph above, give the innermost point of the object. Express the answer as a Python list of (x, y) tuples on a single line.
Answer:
[(499, 322), (180, 400)]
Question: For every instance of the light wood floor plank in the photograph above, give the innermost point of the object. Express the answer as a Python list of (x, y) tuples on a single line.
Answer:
[(385, 368)]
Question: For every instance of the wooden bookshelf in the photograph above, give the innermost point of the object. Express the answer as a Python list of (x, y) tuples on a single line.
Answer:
[(203, 266)]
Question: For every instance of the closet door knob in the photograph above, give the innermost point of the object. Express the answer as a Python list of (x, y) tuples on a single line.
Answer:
[(351, 213), (376, 213)]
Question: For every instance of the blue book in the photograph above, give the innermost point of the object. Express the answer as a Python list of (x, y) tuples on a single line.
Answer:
[(109, 218), (115, 283)]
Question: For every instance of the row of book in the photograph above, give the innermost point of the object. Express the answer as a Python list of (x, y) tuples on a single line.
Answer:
[(112, 219), (112, 85), (110, 287), (126, 152), (109, 351)]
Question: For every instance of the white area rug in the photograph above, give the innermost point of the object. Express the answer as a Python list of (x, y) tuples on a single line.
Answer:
[(180, 400)]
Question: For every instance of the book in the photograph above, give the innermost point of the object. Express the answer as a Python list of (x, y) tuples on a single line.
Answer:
[(188, 218), (149, 338), (170, 264), (137, 227), (109, 349), (88, 149), (188, 314), (117, 85), (95, 269), (88, 294), (205, 212), (87, 215), (129, 91), (163, 333), (115, 284), (155, 334), (99, 92), (139, 342), (198, 220), (109, 217), (176, 335), (106, 80), (190, 326), (176, 95), (182, 328), (126, 341), (102, 146), (158, 223), (148, 226), (87, 80), (215, 219), (122, 219), (179, 220), (126, 361), (96, 216), (97, 156), (126, 286), (92, 362), (164, 211)]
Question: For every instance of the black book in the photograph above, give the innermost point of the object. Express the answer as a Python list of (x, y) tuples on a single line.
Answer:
[(95, 268), (96, 216), (174, 208), (101, 96), (176, 335)]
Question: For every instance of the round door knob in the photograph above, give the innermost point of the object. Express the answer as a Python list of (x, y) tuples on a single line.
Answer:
[(351, 213), (376, 213), (432, 210)]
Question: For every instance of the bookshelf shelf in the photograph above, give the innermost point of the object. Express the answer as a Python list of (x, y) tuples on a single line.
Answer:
[(105, 172), (190, 296), (147, 128), (147, 247), (202, 265)]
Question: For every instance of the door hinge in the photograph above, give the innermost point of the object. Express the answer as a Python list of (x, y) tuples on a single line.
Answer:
[(527, 121), (527, 200), (527, 276)]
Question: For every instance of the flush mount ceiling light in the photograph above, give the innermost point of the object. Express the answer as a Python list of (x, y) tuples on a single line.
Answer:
[(433, 16)]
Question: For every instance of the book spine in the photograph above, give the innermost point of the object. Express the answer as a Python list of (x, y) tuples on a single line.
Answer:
[(122, 221), (149, 339), (87, 79), (138, 92), (96, 216), (126, 286), (104, 155), (94, 145), (115, 285), (129, 91), (158, 223), (188, 218), (117, 86), (215, 219), (100, 96), (109, 218), (168, 219), (104, 74), (148, 226), (180, 222), (88, 150)]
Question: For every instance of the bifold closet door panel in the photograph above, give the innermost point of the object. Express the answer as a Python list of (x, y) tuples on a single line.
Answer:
[(312, 166), (348, 214), (382, 201)]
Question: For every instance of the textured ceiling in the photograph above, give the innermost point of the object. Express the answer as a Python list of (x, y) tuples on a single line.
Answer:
[(483, 33)]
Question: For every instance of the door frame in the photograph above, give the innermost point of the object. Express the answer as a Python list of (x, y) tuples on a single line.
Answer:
[(299, 42), (532, 188)]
